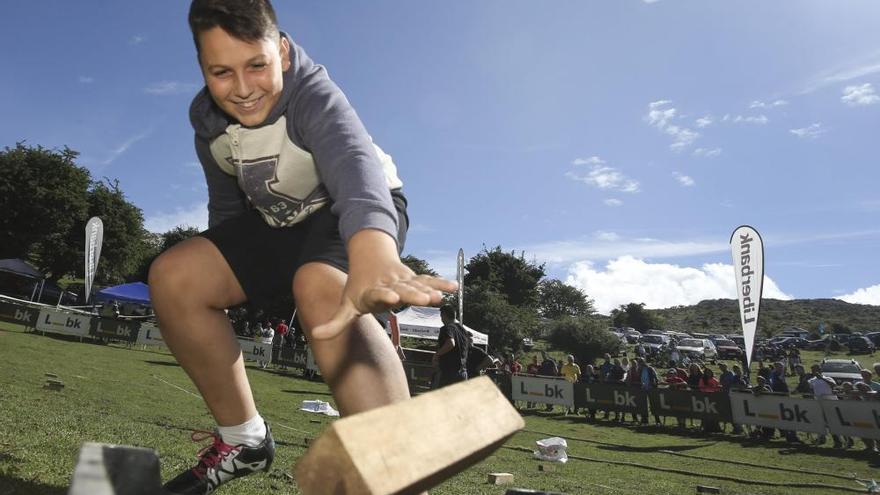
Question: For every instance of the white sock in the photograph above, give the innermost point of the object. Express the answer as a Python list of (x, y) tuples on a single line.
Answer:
[(249, 433)]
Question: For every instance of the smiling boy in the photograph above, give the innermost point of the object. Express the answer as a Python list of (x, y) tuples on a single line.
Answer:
[(300, 200)]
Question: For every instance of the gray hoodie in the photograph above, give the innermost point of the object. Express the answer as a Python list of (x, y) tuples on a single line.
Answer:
[(311, 151)]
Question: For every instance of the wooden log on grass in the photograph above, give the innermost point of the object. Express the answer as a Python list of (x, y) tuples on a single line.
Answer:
[(409, 446)]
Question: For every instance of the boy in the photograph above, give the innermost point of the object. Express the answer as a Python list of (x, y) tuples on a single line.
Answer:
[(299, 199)]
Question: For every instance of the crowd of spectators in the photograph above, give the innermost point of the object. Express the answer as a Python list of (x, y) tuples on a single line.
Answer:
[(784, 376)]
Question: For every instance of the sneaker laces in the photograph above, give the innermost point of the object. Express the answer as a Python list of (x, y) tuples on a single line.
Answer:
[(210, 455)]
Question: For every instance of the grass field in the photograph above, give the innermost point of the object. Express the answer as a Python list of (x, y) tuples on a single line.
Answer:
[(141, 397)]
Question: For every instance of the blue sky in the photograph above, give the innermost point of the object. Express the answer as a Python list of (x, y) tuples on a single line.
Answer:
[(620, 142)]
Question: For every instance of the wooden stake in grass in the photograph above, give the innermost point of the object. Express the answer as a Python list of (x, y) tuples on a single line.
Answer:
[(409, 446)]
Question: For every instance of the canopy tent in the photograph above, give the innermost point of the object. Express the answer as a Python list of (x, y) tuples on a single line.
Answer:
[(19, 267), (424, 323), (137, 292)]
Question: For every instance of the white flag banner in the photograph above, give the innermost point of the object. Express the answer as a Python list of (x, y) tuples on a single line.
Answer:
[(459, 277), (94, 239), (747, 250)]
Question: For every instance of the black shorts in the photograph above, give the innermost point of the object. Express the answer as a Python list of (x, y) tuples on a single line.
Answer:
[(264, 259)]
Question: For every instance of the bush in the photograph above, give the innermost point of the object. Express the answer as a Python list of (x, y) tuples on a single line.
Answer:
[(584, 338)]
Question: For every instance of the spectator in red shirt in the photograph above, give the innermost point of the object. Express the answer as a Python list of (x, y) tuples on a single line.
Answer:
[(676, 382), (708, 383)]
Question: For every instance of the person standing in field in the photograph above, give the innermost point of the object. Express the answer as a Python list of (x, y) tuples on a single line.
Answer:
[(300, 200)]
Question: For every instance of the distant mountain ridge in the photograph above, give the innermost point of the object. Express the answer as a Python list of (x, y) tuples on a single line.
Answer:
[(722, 316)]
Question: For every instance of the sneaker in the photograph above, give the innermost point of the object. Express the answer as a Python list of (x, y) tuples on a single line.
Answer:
[(221, 462)]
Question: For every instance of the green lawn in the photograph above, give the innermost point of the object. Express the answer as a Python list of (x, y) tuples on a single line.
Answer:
[(138, 397)]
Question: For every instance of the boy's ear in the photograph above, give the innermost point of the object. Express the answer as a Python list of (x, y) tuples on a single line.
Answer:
[(284, 48)]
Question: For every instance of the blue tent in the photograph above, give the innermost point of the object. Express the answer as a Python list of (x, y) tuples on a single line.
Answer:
[(137, 292)]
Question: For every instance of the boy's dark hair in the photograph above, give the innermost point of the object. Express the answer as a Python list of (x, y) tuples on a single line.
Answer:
[(448, 311), (247, 20)]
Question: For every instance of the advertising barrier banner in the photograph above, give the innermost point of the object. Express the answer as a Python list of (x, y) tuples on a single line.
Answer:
[(853, 418), (255, 351), (111, 329), (18, 313), (546, 390), (294, 358), (688, 404), (57, 321), (777, 411), (611, 397), (420, 376), (149, 334)]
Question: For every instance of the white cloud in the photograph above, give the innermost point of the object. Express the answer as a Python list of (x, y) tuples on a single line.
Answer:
[(660, 115), (706, 152), (603, 176), (705, 121), (684, 180), (593, 160), (772, 104), (85, 79), (751, 119), (122, 148), (856, 96), (613, 202), (195, 215), (865, 67), (607, 236), (166, 88), (567, 252), (659, 285), (810, 132), (868, 295), (136, 39)]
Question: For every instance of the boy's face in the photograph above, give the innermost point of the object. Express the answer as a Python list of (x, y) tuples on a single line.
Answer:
[(244, 78)]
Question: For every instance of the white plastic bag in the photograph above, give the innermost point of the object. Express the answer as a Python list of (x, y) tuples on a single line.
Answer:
[(318, 406), (552, 449)]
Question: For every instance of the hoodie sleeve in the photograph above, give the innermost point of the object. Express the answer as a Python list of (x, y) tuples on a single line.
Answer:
[(225, 198), (344, 154)]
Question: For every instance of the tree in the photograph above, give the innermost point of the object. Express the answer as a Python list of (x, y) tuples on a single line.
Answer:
[(158, 244), (634, 315), (507, 274), (556, 299), (501, 297), (506, 325), (43, 197), (417, 265), (585, 338)]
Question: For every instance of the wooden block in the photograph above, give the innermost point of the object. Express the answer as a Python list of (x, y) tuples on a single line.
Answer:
[(708, 489), (500, 478), (51, 381), (547, 468), (409, 446), (51, 375)]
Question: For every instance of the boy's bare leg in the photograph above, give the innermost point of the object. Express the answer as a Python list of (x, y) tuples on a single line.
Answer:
[(190, 286), (360, 365)]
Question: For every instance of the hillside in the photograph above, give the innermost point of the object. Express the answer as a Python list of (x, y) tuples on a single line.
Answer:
[(722, 316)]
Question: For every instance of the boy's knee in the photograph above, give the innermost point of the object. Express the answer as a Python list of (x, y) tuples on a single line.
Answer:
[(165, 272), (317, 289)]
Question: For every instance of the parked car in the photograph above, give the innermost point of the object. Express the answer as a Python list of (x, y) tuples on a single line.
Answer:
[(820, 344), (739, 340), (860, 344), (874, 337), (528, 344), (698, 348), (842, 370), (727, 349), (653, 343), (632, 335)]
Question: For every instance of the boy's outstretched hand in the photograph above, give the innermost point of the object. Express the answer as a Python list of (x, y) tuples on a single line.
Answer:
[(378, 281)]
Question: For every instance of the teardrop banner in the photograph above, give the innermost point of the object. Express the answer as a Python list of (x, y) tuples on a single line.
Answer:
[(459, 276), (94, 239), (747, 250)]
